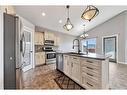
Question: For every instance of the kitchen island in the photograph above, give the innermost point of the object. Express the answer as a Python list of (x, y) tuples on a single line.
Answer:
[(91, 71)]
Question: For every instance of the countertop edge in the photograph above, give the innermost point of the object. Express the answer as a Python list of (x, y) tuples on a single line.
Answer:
[(97, 58)]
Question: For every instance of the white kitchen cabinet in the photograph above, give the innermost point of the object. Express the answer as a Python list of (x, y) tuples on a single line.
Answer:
[(39, 58), (67, 65), (75, 68), (49, 36), (57, 40), (72, 67), (36, 38), (87, 72), (39, 38), (94, 73), (46, 36), (10, 9)]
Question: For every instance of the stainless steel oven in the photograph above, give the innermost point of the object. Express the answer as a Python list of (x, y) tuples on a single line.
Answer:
[(50, 54), (50, 57)]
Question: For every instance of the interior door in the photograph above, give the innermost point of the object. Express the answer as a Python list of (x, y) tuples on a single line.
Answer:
[(27, 54), (9, 52), (110, 47)]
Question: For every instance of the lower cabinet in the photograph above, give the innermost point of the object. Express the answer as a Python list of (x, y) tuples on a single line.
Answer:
[(67, 65), (72, 67), (89, 73), (39, 58), (75, 68)]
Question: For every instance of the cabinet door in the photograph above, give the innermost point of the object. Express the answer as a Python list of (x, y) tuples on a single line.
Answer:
[(66, 65), (35, 38), (75, 69), (52, 36), (41, 39), (46, 36), (37, 58), (42, 58), (56, 41)]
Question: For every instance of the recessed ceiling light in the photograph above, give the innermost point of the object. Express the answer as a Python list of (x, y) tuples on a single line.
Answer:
[(60, 21), (43, 14)]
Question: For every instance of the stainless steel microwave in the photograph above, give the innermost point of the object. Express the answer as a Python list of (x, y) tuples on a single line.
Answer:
[(49, 42)]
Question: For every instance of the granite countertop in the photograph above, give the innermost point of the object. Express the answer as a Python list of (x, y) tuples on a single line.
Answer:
[(89, 55)]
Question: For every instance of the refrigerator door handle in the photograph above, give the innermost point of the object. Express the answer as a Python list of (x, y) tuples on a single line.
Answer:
[(23, 45)]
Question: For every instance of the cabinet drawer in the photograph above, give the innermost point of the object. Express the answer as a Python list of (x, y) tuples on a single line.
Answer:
[(65, 56), (94, 77), (92, 74), (92, 62), (91, 69), (91, 66), (75, 59), (92, 84)]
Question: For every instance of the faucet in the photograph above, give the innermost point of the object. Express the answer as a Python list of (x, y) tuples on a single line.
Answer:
[(76, 45)]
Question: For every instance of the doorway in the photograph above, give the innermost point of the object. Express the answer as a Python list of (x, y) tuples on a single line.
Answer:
[(110, 47)]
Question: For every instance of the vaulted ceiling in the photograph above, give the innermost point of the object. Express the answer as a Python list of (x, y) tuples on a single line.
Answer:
[(55, 13)]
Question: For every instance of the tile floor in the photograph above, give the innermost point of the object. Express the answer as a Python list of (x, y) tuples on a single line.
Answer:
[(43, 77)]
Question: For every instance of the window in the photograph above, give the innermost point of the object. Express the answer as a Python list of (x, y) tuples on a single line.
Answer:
[(89, 45)]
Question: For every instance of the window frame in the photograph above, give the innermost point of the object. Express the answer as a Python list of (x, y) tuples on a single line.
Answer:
[(87, 43)]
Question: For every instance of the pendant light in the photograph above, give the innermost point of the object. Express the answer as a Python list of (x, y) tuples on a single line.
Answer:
[(90, 12), (68, 25), (84, 35)]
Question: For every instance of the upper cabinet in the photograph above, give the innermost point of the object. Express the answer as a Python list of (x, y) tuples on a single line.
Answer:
[(53, 37), (9, 10), (39, 38), (57, 41), (49, 36)]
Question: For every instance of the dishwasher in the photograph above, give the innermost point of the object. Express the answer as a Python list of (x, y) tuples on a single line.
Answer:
[(59, 61)]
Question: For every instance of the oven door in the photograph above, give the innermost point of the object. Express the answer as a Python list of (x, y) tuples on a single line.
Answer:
[(50, 57)]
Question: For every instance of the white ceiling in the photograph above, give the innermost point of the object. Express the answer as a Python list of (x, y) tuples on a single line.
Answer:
[(55, 13)]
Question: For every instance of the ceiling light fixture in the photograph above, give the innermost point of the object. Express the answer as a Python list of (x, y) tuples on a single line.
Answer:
[(60, 21), (90, 12), (84, 35), (68, 25), (43, 14)]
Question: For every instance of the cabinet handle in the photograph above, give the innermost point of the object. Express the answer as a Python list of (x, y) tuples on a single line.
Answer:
[(89, 84), (74, 58), (89, 68), (89, 61), (89, 74)]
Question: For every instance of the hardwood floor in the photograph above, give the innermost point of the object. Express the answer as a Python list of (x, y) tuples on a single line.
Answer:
[(43, 77), (118, 76)]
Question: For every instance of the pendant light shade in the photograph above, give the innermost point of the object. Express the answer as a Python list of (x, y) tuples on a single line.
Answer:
[(68, 25), (90, 13)]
